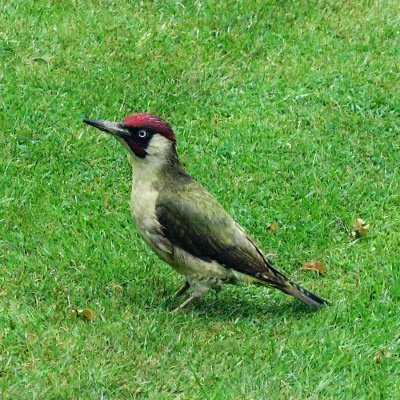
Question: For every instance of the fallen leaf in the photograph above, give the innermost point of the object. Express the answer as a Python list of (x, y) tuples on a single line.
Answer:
[(314, 265), (381, 354), (116, 286), (86, 313), (360, 228), (273, 227)]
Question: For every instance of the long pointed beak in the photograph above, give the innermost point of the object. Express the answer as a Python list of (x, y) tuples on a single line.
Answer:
[(107, 126)]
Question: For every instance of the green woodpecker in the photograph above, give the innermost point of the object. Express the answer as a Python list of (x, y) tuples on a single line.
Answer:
[(183, 223)]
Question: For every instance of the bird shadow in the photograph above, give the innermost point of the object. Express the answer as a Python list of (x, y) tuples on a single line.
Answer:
[(229, 308)]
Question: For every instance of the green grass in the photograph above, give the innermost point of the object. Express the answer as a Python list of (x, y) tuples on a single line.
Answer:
[(287, 111)]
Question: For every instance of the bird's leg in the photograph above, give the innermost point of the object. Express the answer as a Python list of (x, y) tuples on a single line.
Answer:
[(198, 289), (186, 303), (182, 290)]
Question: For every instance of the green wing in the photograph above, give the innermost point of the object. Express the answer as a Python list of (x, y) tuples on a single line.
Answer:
[(192, 219)]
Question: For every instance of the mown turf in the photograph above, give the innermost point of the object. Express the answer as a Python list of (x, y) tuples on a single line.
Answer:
[(287, 111)]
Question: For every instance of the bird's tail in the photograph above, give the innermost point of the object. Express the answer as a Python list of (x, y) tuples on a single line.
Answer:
[(302, 294), (272, 277), (279, 281)]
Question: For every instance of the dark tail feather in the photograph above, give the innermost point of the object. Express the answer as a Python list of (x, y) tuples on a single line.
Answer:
[(302, 294), (279, 281)]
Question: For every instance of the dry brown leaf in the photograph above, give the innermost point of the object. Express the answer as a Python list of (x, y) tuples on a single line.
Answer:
[(314, 265), (380, 355), (116, 286), (273, 227), (86, 313), (360, 228)]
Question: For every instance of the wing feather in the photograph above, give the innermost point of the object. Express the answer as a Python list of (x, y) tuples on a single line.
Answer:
[(192, 219)]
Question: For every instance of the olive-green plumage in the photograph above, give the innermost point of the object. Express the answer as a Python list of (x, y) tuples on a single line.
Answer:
[(183, 223)]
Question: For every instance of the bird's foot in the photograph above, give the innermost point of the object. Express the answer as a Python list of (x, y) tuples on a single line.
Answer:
[(189, 300), (270, 256)]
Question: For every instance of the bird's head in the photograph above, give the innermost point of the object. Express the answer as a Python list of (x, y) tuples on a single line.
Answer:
[(143, 134)]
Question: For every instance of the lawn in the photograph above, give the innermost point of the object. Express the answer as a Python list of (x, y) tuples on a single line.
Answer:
[(288, 111)]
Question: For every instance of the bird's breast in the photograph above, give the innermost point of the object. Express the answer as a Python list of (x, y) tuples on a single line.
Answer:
[(143, 210), (143, 206)]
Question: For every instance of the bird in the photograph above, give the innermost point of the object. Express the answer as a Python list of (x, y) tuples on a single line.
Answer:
[(183, 223)]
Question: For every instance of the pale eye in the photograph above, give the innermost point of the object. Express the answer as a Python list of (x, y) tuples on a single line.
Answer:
[(142, 134)]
